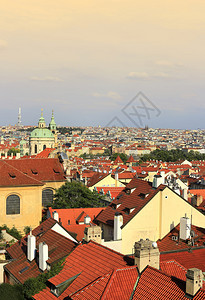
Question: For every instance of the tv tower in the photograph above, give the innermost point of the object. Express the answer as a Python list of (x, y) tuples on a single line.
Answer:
[(19, 118)]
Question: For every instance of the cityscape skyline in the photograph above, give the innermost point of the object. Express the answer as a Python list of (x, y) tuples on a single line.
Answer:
[(87, 61)]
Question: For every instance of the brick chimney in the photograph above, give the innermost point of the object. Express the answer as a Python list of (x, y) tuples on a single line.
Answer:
[(146, 253), (194, 281)]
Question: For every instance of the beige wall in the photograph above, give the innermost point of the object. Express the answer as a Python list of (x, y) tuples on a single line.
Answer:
[(157, 218), (107, 181), (30, 207)]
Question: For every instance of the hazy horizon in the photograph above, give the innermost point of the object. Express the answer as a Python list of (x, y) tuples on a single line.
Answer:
[(88, 60)]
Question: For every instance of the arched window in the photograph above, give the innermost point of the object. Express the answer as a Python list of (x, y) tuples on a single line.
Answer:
[(47, 197), (35, 148), (13, 205), (44, 147)]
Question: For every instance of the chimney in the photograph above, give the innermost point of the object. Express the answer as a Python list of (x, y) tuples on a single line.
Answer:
[(157, 180), (199, 199), (55, 216), (194, 281), (31, 247), (93, 233), (118, 222), (185, 228), (146, 253), (43, 256), (17, 155), (87, 220), (5, 154)]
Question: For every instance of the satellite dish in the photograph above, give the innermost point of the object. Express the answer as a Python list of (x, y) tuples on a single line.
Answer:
[(154, 245)]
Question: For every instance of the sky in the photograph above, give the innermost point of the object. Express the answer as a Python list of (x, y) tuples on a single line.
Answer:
[(100, 62)]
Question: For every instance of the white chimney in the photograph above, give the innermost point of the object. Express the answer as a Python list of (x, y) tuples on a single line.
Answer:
[(5, 154), (157, 180), (194, 281), (55, 216), (87, 220), (43, 256), (118, 222), (185, 228), (31, 247), (17, 155)]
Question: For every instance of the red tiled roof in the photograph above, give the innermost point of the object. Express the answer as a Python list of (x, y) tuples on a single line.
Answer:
[(168, 244), (133, 201), (45, 153), (90, 261), (118, 160), (58, 246), (117, 284), (130, 159), (97, 177), (20, 172), (114, 191), (155, 285), (173, 268), (189, 259)]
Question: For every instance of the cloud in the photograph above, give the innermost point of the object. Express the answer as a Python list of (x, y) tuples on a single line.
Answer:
[(3, 44), (138, 75), (46, 78), (146, 76), (166, 63), (110, 95)]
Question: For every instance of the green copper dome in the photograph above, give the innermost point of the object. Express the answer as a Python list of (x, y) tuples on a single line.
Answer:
[(41, 133)]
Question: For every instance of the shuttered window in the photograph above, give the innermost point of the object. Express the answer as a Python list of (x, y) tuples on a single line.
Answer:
[(13, 205), (47, 197)]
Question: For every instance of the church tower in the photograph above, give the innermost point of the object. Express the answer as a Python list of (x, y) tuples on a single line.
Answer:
[(41, 122), (53, 128)]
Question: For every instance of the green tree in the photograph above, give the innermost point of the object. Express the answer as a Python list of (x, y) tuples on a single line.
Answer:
[(14, 151), (11, 292), (13, 231), (74, 195)]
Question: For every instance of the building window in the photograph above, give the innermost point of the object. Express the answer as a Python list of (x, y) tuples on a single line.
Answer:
[(13, 205), (47, 197), (35, 148), (44, 147)]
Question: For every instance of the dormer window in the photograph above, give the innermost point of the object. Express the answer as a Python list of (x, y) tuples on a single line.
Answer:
[(34, 171), (12, 175)]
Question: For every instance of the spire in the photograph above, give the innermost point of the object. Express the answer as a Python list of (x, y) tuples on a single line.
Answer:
[(41, 122), (52, 125)]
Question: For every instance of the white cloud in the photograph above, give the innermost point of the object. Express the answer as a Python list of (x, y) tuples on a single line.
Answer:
[(110, 95), (46, 78), (3, 44), (166, 63), (138, 75)]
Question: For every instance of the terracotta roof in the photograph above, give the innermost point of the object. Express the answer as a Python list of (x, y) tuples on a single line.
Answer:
[(173, 268), (45, 153), (155, 285), (113, 191), (71, 217), (58, 245), (118, 160), (189, 259), (168, 244), (130, 159), (88, 261), (97, 177), (141, 195), (117, 284), (20, 172)]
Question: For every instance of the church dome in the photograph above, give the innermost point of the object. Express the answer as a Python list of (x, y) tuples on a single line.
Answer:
[(41, 133)]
